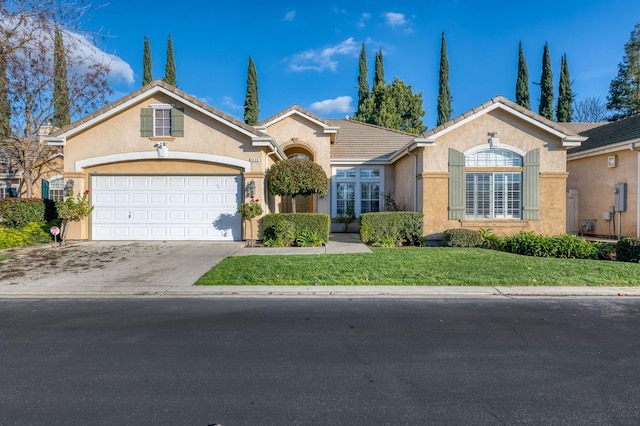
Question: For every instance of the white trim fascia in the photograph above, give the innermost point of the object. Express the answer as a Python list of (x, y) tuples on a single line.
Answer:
[(146, 94), (503, 107), (415, 143), (327, 129), (608, 149), (54, 140), (573, 141), (262, 141), (176, 155)]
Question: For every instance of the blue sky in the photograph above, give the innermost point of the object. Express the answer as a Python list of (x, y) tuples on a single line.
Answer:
[(306, 53)]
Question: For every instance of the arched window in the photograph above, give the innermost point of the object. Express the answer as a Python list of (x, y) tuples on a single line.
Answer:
[(493, 185), (299, 157)]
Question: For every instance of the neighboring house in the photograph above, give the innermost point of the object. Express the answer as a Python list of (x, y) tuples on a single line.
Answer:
[(603, 191), (163, 165)]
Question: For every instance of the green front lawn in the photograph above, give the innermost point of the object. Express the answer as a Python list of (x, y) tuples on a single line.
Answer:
[(434, 266)]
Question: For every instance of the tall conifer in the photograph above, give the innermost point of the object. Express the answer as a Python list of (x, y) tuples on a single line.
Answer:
[(546, 85), (251, 110), (565, 93), (61, 113), (363, 84), (170, 68), (522, 82), (378, 78), (624, 90), (147, 73), (444, 94)]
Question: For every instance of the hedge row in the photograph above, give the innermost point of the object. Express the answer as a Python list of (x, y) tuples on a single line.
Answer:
[(531, 244), (17, 212), (295, 229), (389, 229)]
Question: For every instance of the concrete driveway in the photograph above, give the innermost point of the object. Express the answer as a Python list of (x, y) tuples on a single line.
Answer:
[(99, 267)]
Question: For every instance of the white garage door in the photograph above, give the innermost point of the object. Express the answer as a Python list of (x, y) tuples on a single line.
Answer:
[(165, 208)]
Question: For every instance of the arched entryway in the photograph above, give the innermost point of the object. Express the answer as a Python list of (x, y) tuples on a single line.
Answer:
[(303, 204)]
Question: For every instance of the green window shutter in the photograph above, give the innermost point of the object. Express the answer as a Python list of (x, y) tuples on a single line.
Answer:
[(456, 184), (146, 122), (531, 185), (177, 122), (44, 188)]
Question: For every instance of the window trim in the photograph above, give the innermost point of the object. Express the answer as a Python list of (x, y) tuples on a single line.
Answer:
[(357, 181)]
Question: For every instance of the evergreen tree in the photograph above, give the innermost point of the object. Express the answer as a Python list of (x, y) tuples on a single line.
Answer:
[(378, 78), (546, 85), (363, 84), (624, 90), (251, 110), (61, 113), (5, 107), (522, 82), (147, 75), (394, 106), (444, 95), (565, 94), (170, 67)]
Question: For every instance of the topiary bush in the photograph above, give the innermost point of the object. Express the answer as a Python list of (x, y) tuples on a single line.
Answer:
[(628, 250), (461, 238), (17, 212), (306, 227), (389, 229)]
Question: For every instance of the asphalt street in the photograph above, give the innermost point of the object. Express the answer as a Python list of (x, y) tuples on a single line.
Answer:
[(319, 361)]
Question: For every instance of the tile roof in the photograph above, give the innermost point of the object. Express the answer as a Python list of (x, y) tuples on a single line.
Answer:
[(504, 101), (623, 130), (356, 140), (157, 83)]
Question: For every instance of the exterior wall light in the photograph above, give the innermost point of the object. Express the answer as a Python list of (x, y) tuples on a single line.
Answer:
[(494, 142)]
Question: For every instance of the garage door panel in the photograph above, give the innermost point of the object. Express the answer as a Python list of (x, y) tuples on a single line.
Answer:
[(166, 207)]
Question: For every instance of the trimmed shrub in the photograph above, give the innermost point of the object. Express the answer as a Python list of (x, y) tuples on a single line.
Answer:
[(35, 233), (10, 237), (389, 229), (628, 250), (461, 238), (304, 225), (17, 212)]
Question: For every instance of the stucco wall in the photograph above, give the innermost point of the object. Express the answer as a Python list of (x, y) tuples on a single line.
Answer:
[(515, 134), (595, 182)]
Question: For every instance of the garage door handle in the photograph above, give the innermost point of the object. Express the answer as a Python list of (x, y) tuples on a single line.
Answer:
[(129, 215)]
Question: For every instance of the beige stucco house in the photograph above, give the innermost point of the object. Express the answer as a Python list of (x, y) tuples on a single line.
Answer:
[(161, 164), (603, 191)]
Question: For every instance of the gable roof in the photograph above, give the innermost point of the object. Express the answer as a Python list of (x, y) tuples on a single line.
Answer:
[(621, 131), (568, 136), (366, 142), (154, 87), (299, 111)]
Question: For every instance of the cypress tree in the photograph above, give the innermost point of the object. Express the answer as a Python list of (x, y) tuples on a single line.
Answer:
[(251, 110), (378, 78), (565, 94), (170, 68), (61, 113), (546, 85), (444, 94), (363, 84), (522, 82), (147, 75), (5, 107), (624, 90)]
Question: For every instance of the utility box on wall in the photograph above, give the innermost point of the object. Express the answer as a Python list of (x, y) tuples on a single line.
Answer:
[(620, 203)]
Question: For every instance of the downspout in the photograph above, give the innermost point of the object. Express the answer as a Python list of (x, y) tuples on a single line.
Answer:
[(415, 178)]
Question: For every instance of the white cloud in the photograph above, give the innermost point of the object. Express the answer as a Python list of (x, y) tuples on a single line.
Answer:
[(395, 19), (289, 16), (322, 59), (228, 102), (341, 104), (363, 19), (89, 53)]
